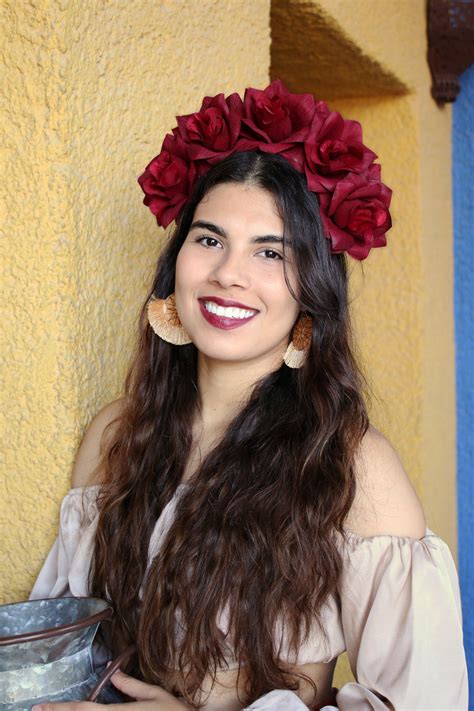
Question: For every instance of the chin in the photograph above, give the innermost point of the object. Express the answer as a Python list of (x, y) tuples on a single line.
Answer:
[(224, 357), (230, 354)]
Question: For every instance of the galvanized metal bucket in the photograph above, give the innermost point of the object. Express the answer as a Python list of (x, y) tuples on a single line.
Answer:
[(46, 653)]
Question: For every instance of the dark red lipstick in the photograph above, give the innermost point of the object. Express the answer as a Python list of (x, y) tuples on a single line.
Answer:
[(226, 302), (222, 321)]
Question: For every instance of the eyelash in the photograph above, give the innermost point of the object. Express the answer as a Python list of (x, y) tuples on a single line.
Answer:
[(272, 259)]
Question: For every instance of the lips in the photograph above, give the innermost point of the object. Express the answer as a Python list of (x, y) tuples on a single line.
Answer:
[(224, 322), (226, 302)]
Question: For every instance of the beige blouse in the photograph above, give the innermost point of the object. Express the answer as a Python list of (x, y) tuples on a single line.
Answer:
[(397, 613)]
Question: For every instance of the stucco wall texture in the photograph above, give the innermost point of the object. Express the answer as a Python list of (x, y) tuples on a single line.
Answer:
[(92, 91)]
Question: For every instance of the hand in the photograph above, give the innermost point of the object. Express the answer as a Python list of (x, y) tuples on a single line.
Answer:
[(148, 698)]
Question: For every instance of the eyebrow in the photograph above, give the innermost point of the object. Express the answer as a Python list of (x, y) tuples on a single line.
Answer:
[(261, 239)]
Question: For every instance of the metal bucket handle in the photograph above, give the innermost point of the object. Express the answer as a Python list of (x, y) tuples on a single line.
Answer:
[(25, 637), (111, 669)]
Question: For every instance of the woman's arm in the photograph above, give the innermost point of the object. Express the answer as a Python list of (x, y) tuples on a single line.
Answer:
[(399, 596)]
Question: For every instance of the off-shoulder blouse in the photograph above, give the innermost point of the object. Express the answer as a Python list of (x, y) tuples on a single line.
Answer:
[(397, 613)]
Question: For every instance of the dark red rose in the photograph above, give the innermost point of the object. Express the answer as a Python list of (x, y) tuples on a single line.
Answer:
[(356, 216), (334, 147), (317, 142), (168, 180), (274, 115), (212, 132)]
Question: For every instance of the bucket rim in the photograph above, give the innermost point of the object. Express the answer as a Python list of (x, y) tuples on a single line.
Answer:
[(105, 614)]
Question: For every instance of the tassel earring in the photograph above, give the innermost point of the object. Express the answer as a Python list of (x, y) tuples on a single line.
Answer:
[(298, 348), (164, 320)]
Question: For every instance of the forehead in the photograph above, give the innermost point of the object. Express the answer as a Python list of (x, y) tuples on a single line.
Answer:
[(240, 205)]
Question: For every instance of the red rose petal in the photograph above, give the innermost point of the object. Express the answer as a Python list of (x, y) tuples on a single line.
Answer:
[(318, 142)]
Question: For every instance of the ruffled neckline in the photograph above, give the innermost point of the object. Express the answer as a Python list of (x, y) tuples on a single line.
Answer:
[(354, 537)]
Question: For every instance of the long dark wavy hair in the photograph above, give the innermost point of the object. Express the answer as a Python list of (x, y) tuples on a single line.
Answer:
[(255, 534)]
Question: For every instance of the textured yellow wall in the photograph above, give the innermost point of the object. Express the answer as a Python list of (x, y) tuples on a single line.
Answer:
[(91, 90)]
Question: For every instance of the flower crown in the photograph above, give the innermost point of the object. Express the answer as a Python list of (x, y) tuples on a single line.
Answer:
[(318, 142)]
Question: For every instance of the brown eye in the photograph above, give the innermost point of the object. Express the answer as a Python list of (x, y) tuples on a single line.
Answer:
[(208, 237), (275, 256)]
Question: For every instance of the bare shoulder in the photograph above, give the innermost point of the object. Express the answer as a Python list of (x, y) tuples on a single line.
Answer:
[(85, 471), (385, 500)]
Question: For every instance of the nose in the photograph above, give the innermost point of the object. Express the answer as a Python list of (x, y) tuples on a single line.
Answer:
[(230, 270)]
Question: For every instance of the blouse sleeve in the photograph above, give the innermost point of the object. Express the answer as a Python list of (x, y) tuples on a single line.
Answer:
[(401, 618), (66, 567)]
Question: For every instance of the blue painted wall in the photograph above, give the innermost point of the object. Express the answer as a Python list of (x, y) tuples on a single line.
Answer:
[(463, 203)]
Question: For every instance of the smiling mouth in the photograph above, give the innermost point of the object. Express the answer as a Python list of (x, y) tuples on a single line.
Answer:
[(225, 317)]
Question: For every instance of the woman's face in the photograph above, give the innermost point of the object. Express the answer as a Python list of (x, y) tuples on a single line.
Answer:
[(234, 253)]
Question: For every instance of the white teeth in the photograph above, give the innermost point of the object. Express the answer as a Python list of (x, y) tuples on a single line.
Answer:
[(227, 311)]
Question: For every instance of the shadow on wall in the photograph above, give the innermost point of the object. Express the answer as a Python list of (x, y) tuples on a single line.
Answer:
[(310, 53)]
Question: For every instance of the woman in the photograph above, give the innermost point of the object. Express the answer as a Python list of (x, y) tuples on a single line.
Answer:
[(246, 521)]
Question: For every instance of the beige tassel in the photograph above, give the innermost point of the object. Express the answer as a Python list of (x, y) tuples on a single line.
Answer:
[(164, 320), (298, 348)]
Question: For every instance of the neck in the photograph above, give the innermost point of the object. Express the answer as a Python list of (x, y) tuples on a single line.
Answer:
[(225, 386)]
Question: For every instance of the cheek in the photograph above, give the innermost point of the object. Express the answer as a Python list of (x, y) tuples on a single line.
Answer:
[(289, 305), (182, 261), (278, 293), (187, 268), (293, 281), (182, 279)]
